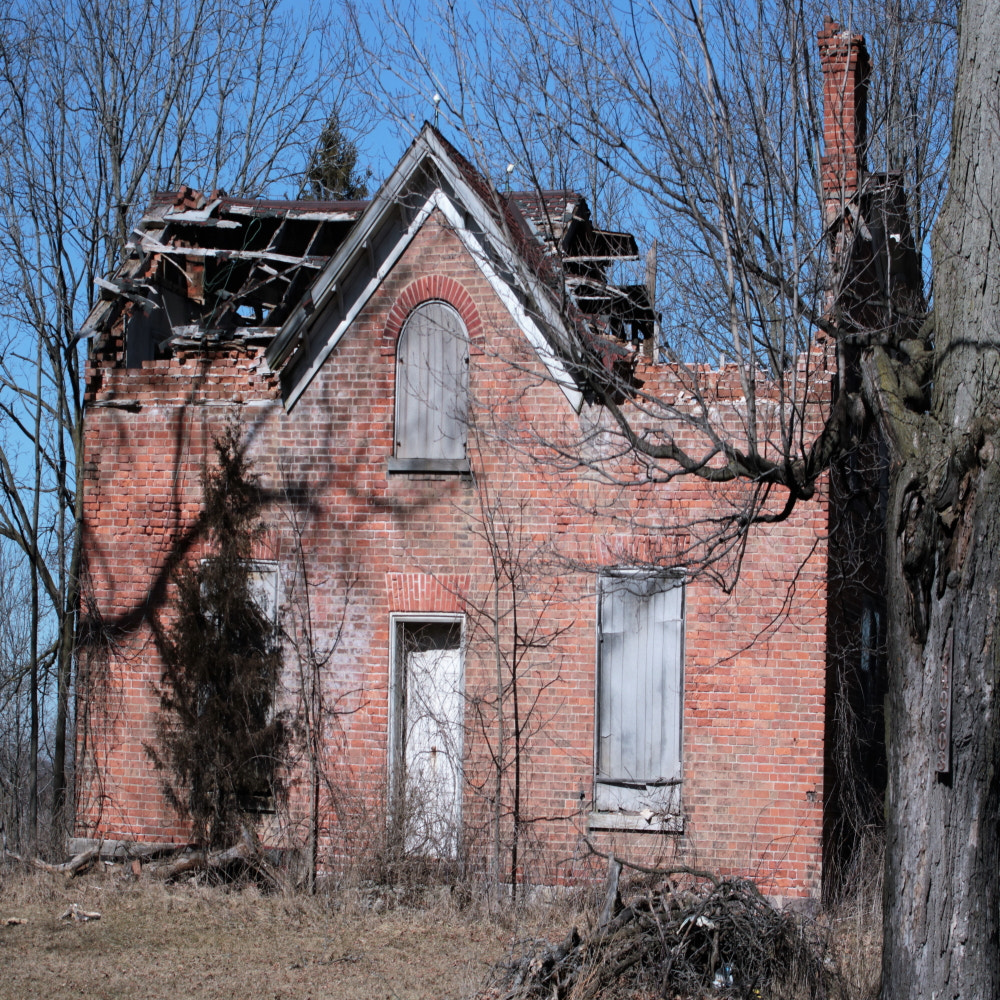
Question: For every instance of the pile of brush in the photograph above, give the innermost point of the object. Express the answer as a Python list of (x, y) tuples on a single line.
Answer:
[(682, 934)]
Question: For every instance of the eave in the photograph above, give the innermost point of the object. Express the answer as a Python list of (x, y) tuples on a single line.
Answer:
[(427, 179)]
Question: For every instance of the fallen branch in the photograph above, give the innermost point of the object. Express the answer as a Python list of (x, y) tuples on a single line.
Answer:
[(698, 873), (200, 860), (245, 856), (73, 867)]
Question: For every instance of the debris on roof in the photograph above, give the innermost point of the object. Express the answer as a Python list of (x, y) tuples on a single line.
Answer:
[(209, 271), (216, 269), (561, 219)]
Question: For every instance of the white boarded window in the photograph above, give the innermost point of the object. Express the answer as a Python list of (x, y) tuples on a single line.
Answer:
[(640, 686), (264, 587), (432, 378)]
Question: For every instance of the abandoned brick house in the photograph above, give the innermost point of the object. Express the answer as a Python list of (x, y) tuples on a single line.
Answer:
[(393, 367)]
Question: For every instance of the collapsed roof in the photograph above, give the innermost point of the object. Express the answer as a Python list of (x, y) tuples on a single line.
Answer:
[(202, 269), (205, 270)]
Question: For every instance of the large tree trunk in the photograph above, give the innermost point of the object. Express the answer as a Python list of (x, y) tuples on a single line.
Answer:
[(943, 860)]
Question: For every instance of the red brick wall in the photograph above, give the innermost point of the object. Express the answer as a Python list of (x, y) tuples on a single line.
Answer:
[(376, 544)]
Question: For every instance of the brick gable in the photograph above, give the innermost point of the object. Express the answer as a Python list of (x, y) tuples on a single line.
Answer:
[(379, 546)]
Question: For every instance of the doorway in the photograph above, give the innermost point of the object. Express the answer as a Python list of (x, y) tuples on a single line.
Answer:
[(427, 734)]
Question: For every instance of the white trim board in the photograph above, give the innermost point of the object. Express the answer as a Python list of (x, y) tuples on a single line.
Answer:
[(492, 244)]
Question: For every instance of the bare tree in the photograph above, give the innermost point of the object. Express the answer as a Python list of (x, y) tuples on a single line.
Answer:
[(716, 131), (711, 116), (15, 695), (510, 623), (943, 865), (101, 105), (312, 650)]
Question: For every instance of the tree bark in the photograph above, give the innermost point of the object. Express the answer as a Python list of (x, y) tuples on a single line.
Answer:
[(942, 933), (943, 848)]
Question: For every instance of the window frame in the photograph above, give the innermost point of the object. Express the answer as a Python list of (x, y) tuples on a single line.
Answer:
[(431, 463), (268, 573), (667, 817), (263, 568)]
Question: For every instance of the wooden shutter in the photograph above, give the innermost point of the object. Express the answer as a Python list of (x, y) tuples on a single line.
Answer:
[(432, 365), (639, 699)]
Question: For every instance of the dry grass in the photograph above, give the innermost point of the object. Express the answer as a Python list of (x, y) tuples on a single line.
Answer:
[(855, 923), (156, 941), (192, 941)]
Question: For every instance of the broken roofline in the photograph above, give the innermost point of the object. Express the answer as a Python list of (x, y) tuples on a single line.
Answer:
[(186, 199), (539, 250), (509, 250), (178, 225)]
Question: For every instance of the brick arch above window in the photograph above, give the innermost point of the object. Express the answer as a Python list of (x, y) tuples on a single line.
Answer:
[(424, 289)]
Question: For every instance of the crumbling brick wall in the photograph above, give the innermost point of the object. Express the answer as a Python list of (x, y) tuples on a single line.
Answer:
[(378, 545)]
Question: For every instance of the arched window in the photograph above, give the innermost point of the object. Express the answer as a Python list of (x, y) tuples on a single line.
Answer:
[(432, 392)]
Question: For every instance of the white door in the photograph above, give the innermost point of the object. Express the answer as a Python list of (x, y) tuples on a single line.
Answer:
[(432, 737)]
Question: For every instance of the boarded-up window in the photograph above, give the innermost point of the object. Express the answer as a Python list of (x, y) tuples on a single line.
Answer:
[(640, 681), (432, 377), (264, 586)]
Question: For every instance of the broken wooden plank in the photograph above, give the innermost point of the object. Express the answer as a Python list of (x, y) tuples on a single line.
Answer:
[(612, 897), (155, 246)]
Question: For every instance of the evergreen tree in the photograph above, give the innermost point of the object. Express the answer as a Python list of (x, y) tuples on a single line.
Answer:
[(332, 174), (219, 738)]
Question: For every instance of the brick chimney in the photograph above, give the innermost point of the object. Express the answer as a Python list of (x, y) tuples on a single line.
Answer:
[(845, 63)]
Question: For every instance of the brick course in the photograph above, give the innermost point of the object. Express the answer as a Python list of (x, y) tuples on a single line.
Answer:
[(378, 544)]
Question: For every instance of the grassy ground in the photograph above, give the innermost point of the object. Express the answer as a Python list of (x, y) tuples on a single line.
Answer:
[(156, 941), (199, 942)]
